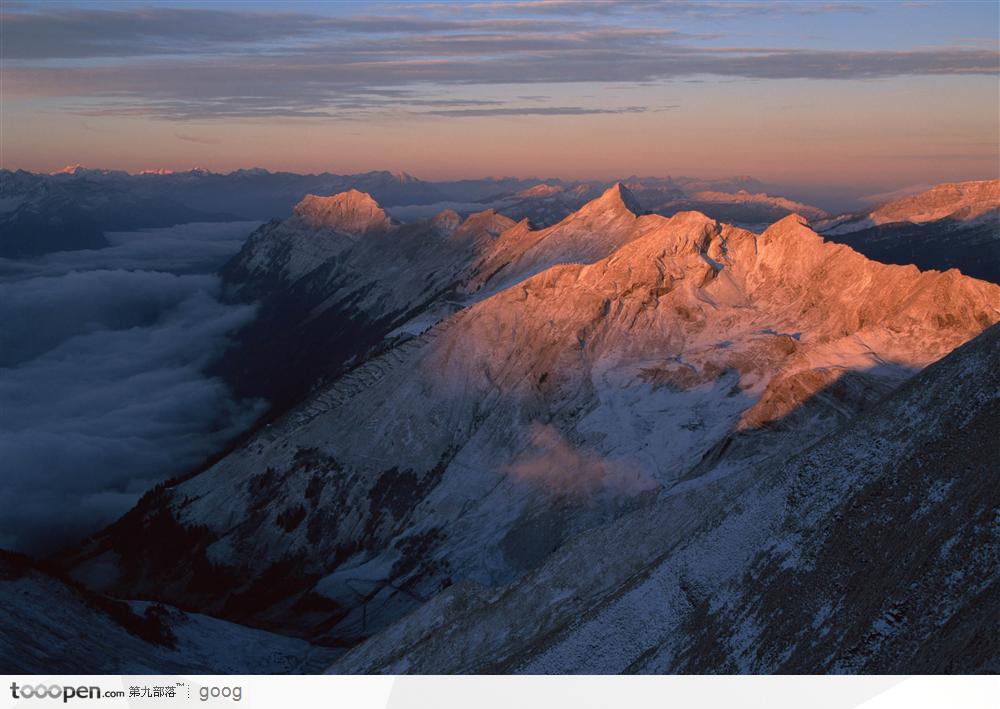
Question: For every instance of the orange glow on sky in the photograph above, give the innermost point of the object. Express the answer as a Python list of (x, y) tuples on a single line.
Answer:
[(872, 96)]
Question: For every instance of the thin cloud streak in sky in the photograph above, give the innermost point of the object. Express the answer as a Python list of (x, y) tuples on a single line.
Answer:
[(317, 85), (197, 139), (763, 87), (204, 64), (547, 111), (89, 34), (721, 10)]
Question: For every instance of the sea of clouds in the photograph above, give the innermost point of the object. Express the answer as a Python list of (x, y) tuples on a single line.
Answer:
[(102, 385)]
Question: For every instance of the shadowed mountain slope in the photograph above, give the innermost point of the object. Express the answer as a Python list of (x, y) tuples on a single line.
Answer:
[(40, 612), (875, 550)]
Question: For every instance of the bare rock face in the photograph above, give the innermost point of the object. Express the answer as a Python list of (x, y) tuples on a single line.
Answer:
[(352, 212)]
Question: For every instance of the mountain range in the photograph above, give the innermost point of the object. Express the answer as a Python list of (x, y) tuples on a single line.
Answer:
[(618, 442), (948, 226), (38, 211)]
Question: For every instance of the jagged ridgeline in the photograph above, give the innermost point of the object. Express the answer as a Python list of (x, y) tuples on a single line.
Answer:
[(463, 402)]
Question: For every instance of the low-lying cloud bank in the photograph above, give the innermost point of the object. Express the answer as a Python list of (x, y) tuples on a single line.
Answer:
[(101, 377)]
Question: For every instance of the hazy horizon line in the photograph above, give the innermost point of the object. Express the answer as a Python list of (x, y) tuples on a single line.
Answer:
[(717, 176)]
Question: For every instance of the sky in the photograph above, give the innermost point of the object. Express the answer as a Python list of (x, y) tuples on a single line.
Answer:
[(867, 96)]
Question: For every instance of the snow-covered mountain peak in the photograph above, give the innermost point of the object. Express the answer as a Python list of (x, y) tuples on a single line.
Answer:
[(683, 233), (690, 219), (403, 177), (161, 171), (592, 232), (487, 221), (540, 190), (794, 226), (79, 171), (69, 170), (792, 222), (353, 212), (960, 200), (955, 201), (793, 231), (790, 249), (616, 199), (250, 172), (761, 199), (446, 221)]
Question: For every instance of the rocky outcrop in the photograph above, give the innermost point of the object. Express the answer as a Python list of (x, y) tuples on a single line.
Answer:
[(352, 213)]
